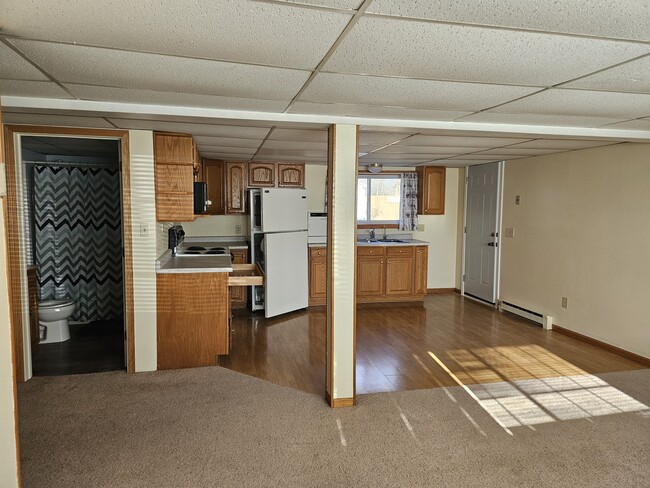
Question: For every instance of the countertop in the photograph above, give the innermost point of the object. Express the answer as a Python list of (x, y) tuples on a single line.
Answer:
[(405, 242), (193, 264)]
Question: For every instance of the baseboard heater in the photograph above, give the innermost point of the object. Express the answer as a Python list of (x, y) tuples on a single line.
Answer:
[(545, 321)]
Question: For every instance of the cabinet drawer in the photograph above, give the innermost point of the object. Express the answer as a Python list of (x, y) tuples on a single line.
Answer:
[(370, 251), (399, 251), (317, 252)]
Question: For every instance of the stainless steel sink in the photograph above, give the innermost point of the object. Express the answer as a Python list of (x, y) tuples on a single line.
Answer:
[(378, 240), (366, 240), (390, 240)]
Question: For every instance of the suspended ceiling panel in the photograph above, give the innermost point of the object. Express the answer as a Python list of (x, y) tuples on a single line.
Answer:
[(632, 77), (23, 88), (57, 120), (344, 109)]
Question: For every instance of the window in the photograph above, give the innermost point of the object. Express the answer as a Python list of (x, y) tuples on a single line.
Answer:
[(378, 199)]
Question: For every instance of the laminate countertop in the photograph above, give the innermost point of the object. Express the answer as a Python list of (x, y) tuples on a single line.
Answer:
[(379, 242), (193, 264)]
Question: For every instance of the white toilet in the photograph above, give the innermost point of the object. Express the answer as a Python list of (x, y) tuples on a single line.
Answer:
[(54, 315)]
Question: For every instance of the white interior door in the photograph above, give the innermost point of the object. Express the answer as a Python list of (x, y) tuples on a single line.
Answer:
[(285, 265), (481, 239), (284, 209)]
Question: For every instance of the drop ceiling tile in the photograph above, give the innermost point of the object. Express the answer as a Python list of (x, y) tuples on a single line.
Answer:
[(507, 152), (242, 151), (280, 154), (581, 103), (55, 120), (291, 157), (381, 138), (307, 135), (457, 141), (430, 150), (475, 157), (336, 4), (404, 156), (633, 77), (88, 92), (638, 124), (312, 146), (561, 144), (194, 129), (227, 141), (540, 119), (125, 69), (231, 30), (15, 67), (349, 110), (388, 46), (403, 92), (225, 155), (22, 88), (600, 18)]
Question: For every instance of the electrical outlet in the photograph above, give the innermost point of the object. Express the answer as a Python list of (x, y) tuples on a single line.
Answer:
[(565, 302), (238, 229), (510, 231), (517, 199), (420, 227)]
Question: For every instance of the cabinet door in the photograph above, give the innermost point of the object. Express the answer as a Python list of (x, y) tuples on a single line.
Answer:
[(173, 166), (370, 275), (214, 178), (317, 276), (239, 294), (235, 187), (291, 175), (261, 174), (174, 178), (173, 148), (399, 275), (431, 190), (421, 264)]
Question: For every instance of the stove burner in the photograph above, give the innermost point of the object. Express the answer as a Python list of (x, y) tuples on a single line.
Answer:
[(192, 252), (196, 248), (218, 249), (215, 251)]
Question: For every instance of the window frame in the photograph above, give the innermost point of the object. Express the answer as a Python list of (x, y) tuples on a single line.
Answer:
[(370, 224)]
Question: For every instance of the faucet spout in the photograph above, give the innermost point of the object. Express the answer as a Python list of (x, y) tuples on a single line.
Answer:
[(372, 234)]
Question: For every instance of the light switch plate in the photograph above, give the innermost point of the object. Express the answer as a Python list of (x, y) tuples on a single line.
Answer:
[(420, 227), (517, 200), (510, 231)]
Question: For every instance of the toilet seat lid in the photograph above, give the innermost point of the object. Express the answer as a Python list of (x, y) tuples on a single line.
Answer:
[(55, 303)]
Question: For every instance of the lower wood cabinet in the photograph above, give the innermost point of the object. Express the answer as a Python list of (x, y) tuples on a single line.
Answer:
[(193, 313), (384, 274), (239, 294)]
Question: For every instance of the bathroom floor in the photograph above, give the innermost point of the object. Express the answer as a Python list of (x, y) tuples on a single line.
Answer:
[(93, 348)]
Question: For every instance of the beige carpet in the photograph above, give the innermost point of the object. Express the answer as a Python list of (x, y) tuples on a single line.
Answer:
[(213, 427)]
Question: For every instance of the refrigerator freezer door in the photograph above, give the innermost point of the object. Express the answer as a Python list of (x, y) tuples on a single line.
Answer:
[(284, 209), (285, 258)]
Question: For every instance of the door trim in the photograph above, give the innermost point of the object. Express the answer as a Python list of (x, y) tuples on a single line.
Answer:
[(17, 270), (497, 255)]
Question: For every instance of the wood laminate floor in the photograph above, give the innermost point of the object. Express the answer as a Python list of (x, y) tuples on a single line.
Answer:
[(447, 341)]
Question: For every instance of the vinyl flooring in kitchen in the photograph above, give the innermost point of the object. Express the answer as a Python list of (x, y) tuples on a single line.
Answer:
[(92, 348), (447, 340)]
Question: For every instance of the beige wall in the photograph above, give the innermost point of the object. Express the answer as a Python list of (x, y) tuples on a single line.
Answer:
[(143, 212), (8, 462), (582, 232), (216, 225)]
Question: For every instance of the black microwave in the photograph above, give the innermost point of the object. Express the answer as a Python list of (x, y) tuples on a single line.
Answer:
[(201, 201)]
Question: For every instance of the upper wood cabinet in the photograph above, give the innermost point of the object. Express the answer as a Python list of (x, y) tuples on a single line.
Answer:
[(174, 177), (291, 175), (261, 174), (198, 165), (235, 187), (431, 190), (213, 175)]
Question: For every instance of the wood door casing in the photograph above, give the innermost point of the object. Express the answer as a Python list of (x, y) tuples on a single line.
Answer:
[(261, 174), (370, 275), (235, 187)]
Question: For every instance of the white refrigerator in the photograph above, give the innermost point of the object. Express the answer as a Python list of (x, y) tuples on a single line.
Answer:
[(282, 221)]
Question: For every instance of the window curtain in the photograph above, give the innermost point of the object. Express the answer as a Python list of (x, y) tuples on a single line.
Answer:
[(408, 214), (78, 238)]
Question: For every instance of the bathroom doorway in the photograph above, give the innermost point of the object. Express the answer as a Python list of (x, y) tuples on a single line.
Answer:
[(70, 241), (73, 246)]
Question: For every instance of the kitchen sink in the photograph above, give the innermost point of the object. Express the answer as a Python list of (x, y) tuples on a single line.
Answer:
[(379, 240), (390, 240)]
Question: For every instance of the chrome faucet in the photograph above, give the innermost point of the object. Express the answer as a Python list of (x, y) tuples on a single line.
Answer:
[(372, 234)]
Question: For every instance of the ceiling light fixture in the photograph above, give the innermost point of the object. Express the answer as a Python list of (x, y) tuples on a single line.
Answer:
[(374, 167)]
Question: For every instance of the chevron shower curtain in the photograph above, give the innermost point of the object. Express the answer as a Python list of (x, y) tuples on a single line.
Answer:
[(78, 238)]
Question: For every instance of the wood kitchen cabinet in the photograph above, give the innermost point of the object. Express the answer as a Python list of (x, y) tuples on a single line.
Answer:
[(239, 294), (261, 175), (291, 175), (431, 190), (317, 275), (235, 187), (384, 274), (214, 177), (174, 177), (192, 317), (198, 165)]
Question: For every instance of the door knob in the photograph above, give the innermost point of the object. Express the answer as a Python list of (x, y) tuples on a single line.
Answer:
[(492, 244), (495, 234)]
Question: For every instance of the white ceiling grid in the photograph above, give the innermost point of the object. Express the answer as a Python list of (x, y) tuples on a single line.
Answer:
[(561, 63)]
